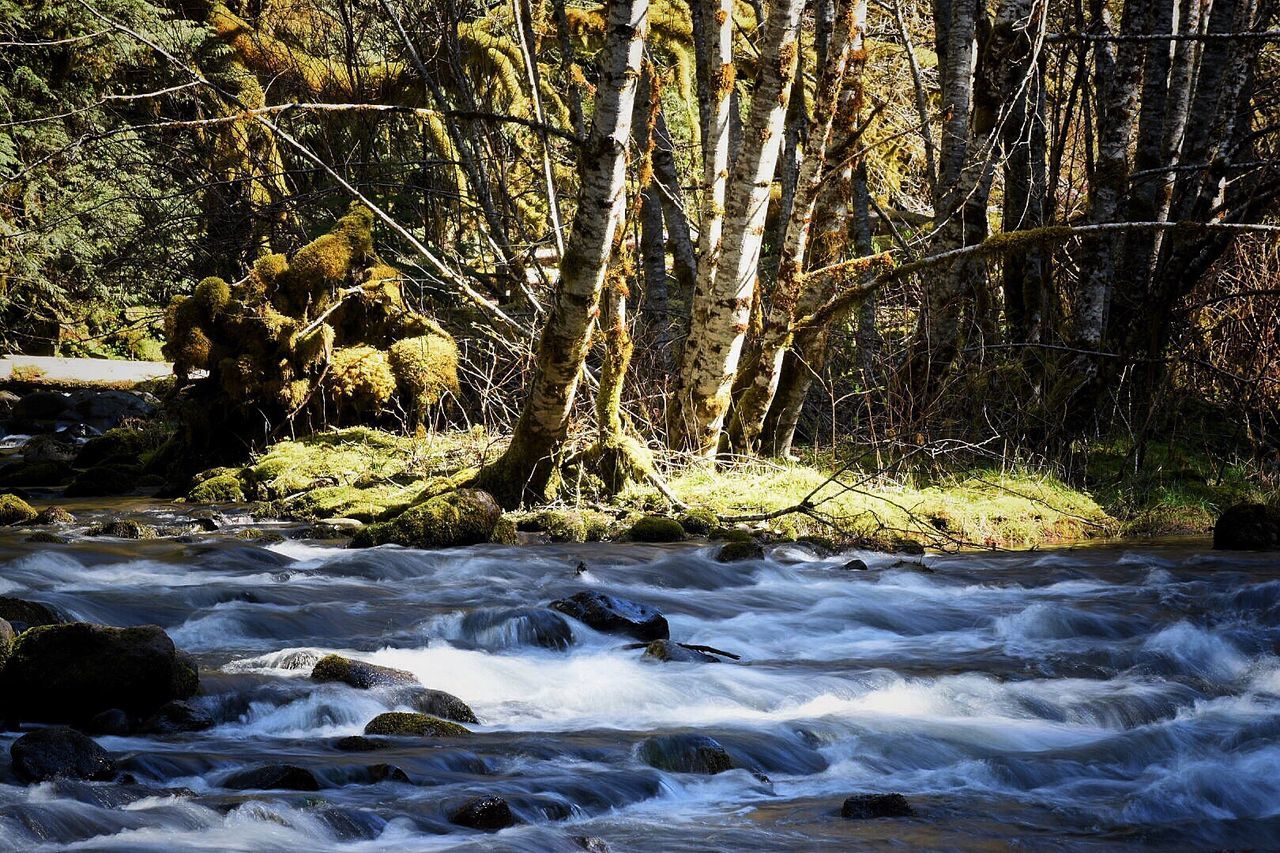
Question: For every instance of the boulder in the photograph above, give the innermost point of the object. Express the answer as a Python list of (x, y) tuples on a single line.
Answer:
[(176, 717), (59, 753), (611, 615), (70, 672), (44, 537), (272, 777), (856, 565), (734, 552), (124, 530), (359, 674), (44, 406), (23, 614), (446, 706), (406, 723), (8, 400), (461, 517), (55, 515), (105, 409), (360, 743), (36, 474), (656, 528), (14, 510), (112, 721), (685, 753), (105, 481), (489, 814), (669, 652), (7, 635), (505, 628), (698, 522), (868, 806), (385, 773), (1248, 527), (48, 448)]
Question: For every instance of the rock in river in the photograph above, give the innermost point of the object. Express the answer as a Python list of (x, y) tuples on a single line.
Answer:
[(611, 615), (411, 724), (360, 674), (867, 806), (70, 672), (685, 753), (1248, 527), (486, 813), (59, 753), (272, 777)]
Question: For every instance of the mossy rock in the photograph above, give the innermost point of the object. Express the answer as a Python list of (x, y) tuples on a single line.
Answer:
[(367, 504), (734, 552), (104, 481), (656, 528), (45, 537), (14, 510), (505, 533), (699, 522), (222, 489), (44, 473), (7, 636), (119, 444), (732, 534), (558, 525), (462, 517), (359, 674), (408, 723), (124, 530), (55, 515)]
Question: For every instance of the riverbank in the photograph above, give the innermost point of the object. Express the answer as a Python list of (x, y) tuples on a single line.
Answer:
[(369, 475)]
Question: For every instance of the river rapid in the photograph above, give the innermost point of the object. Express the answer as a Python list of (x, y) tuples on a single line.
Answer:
[(1092, 698)]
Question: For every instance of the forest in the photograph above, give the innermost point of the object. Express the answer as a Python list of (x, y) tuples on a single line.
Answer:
[(628, 239)]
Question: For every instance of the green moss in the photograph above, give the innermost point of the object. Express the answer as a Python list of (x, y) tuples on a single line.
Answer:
[(225, 488), (733, 552), (120, 444), (698, 522), (360, 379), (55, 515), (425, 368), (363, 504), (463, 517), (559, 525), (46, 537), (212, 295), (407, 723), (14, 510), (504, 532), (656, 528)]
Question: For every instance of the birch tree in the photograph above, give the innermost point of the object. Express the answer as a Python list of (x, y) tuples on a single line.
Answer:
[(722, 301), (527, 466)]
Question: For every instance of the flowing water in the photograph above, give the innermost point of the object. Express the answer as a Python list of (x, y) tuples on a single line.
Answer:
[(1093, 698)]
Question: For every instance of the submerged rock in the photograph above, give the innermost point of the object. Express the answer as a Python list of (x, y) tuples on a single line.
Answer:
[(359, 674), (461, 517), (177, 716), (868, 806), (406, 723), (59, 753), (273, 777), (112, 721), (70, 672), (656, 528), (44, 537), (531, 626), (611, 615), (360, 743), (856, 565), (735, 552), (685, 753), (1248, 527), (489, 814)]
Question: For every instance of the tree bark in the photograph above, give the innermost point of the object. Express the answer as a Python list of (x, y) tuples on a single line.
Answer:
[(722, 301), (766, 353), (526, 468)]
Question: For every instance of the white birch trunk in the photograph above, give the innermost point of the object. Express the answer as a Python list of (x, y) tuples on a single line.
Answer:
[(722, 300)]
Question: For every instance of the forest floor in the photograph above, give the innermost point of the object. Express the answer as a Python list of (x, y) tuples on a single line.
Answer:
[(367, 475)]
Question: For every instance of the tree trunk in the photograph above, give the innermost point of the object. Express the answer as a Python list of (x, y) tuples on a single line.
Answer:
[(765, 359), (526, 468), (722, 302), (684, 261)]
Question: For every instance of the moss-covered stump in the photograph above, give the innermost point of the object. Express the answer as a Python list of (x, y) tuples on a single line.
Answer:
[(359, 674), (656, 528), (14, 510), (70, 672), (412, 724), (462, 517)]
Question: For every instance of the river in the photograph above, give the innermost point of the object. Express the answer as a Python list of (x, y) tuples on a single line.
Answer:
[(1091, 698)]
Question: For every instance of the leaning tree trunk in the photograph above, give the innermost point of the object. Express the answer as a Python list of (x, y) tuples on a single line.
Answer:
[(526, 468), (722, 302), (765, 359)]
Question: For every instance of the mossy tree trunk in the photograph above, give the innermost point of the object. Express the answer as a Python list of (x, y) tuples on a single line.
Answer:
[(527, 467), (766, 351), (723, 300)]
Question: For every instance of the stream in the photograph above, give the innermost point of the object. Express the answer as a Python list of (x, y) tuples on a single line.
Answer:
[(1095, 698)]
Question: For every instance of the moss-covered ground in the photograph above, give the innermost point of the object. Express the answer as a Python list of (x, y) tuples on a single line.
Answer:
[(370, 475)]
